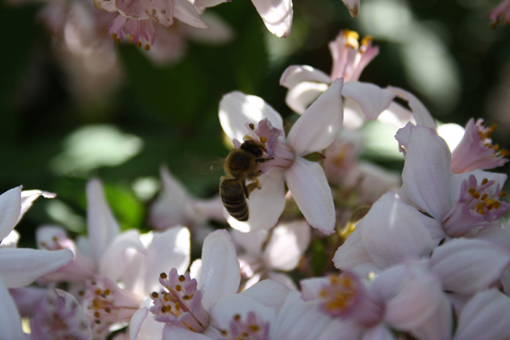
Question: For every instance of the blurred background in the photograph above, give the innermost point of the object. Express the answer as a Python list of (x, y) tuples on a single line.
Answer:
[(75, 106)]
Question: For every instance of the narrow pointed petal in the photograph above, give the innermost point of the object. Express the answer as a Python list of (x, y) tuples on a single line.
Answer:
[(10, 321), (352, 6), (296, 74), (485, 316), (266, 205), (310, 189), (20, 267), (466, 266), (351, 253), (29, 196), (10, 207), (187, 13), (420, 112), (372, 99), (136, 322), (286, 246), (426, 173), (318, 127), (393, 232), (303, 94), (238, 109), (220, 274), (102, 226), (277, 15)]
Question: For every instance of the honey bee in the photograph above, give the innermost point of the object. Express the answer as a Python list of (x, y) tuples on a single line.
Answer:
[(241, 165)]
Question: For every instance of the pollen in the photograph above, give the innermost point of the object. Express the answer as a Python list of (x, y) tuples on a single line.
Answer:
[(263, 139), (147, 47)]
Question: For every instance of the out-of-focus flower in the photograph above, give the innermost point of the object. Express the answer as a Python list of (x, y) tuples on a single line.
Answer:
[(242, 115), (59, 316), (20, 267), (285, 246), (461, 202), (352, 6), (276, 14), (500, 13)]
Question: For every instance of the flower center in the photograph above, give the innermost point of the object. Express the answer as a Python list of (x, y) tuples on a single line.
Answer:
[(253, 328), (140, 32), (338, 295)]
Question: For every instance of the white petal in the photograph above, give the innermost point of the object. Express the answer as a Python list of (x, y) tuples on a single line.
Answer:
[(170, 249), (310, 189), (171, 332), (352, 6), (150, 329), (277, 15), (102, 226), (286, 246), (195, 269), (269, 293), (486, 316), (220, 274), (20, 267), (29, 196), (219, 31), (420, 112), (11, 240), (265, 205), (397, 116), (208, 3), (136, 322), (372, 99), (351, 253), (251, 242), (10, 207), (296, 74), (283, 279), (426, 173), (378, 332), (238, 109), (187, 13), (303, 94), (318, 127), (10, 321), (393, 232)]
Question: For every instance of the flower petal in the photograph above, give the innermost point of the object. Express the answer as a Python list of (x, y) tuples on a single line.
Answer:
[(420, 112), (269, 293), (296, 74), (372, 99), (352, 6), (188, 14), (466, 266), (265, 205), (29, 196), (20, 267), (251, 242), (318, 127), (136, 322), (10, 207), (426, 173), (378, 332), (171, 332), (277, 15), (208, 3), (220, 274), (287, 244), (10, 321), (310, 189), (238, 109), (351, 253), (102, 226), (303, 94)]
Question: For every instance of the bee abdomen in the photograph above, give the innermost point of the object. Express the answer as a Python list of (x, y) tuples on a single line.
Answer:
[(232, 196)]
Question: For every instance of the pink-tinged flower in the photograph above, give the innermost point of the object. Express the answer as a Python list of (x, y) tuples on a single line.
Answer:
[(174, 206), (59, 316), (461, 202), (475, 150), (20, 267), (500, 13), (485, 316), (285, 246), (364, 101), (242, 115), (276, 14), (184, 301)]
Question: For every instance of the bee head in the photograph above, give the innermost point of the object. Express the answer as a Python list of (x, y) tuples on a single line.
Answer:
[(253, 147)]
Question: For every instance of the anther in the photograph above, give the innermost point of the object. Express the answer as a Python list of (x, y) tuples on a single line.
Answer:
[(263, 139), (147, 47), (163, 276), (237, 317), (178, 288), (182, 278), (485, 180), (251, 126), (502, 194), (155, 295)]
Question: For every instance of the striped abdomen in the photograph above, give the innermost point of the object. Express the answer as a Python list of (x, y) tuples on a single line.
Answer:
[(232, 196)]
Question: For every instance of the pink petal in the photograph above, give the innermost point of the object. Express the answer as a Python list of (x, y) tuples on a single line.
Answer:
[(426, 171), (318, 127), (466, 266), (220, 274), (378, 332), (352, 6), (287, 245), (237, 110), (172, 245), (393, 232), (296, 74), (20, 267), (136, 322), (102, 226), (371, 98), (171, 332), (10, 321), (149, 329), (303, 94), (420, 112), (269, 293), (310, 189), (345, 330), (310, 288), (265, 205), (485, 316), (10, 207), (27, 298), (277, 15), (351, 253), (209, 3), (187, 13)]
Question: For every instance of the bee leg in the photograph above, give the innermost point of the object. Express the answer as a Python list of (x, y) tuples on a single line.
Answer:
[(262, 160), (253, 186), (246, 191)]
